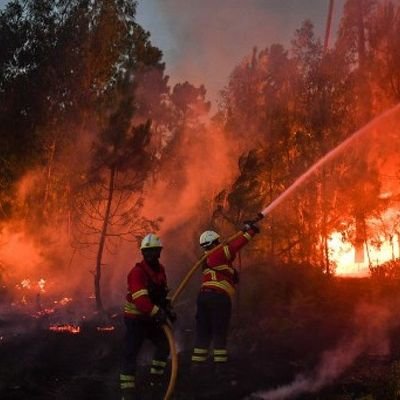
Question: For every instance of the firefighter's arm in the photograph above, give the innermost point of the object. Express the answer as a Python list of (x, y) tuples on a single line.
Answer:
[(236, 244), (140, 295)]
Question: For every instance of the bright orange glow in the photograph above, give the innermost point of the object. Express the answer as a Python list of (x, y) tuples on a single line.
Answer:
[(342, 253), (41, 284), (105, 328), (19, 251), (63, 301), (73, 329), (376, 253), (46, 311)]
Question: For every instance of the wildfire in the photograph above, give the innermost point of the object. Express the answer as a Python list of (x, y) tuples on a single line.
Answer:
[(27, 284), (63, 301), (44, 312), (343, 254), (72, 329), (105, 328), (41, 284)]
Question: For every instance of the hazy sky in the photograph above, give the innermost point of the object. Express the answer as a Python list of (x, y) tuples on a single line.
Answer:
[(202, 40)]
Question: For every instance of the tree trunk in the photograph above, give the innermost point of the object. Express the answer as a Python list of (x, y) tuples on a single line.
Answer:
[(49, 171), (398, 244), (97, 275), (324, 207), (366, 243)]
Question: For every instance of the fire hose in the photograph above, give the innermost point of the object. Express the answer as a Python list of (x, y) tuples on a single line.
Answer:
[(174, 361), (167, 330)]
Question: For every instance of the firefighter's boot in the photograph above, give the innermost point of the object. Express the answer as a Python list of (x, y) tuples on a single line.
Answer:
[(224, 375), (157, 387), (200, 377), (129, 394), (157, 380), (128, 387), (221, 368)]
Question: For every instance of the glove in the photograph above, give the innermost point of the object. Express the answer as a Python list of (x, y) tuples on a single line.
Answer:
[(171, 314), (160, 317), (250, 225), (235, 276)]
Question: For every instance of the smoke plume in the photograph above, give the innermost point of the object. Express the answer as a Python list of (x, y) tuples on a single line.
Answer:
[(371, 329)]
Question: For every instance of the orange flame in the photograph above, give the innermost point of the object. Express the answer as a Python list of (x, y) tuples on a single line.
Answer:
[(105, 328), (73, 329)]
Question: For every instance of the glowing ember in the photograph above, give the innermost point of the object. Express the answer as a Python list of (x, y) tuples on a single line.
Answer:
[(46, 311), (41, 284), (105, 328), (63, 301), (26, 283), (73, 329)]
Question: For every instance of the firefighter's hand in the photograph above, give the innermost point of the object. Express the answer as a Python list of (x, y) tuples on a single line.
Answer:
[(160, 317), (172, 315), (250, 225)]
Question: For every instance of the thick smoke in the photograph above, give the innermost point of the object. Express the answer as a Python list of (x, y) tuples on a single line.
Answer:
[(206, 166), (371, 335), (39, 269)]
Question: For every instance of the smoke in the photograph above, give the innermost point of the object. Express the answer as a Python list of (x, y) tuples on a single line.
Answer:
[(38, 266), (371, 335), (18, 249), (183, 195), (208, 167)]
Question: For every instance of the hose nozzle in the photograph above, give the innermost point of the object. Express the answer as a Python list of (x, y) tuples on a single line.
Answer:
[(259, 217)]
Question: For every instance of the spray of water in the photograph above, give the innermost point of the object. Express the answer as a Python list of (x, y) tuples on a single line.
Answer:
[(372, 324), (330, 156)]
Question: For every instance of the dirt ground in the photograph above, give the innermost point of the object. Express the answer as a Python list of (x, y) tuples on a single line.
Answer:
[(275, 336), (41, 364)]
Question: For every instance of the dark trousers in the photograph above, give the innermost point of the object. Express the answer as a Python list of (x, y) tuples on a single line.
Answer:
[(212, 323), (137, 331)]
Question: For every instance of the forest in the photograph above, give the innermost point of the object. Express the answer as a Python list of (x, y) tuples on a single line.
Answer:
[(98, 148)]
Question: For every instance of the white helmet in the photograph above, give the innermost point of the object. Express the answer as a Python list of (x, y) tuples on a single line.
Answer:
[(150, 241), (208, 237)]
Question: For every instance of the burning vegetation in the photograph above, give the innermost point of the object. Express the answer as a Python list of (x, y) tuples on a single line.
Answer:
[(97, 148)]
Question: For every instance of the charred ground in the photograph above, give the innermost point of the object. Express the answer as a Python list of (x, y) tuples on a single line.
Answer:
[(281, 328)]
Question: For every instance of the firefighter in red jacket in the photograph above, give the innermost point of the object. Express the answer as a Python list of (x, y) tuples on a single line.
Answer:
[(217, 289), (146, 309)]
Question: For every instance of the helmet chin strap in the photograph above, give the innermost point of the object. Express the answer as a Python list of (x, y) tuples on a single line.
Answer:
[(211, 245)]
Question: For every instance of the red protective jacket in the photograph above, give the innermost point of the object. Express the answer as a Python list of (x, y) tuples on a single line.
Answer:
[(146, 289), (218, 272)]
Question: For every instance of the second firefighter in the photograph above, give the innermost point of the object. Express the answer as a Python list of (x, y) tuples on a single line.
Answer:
[(214, 300)]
